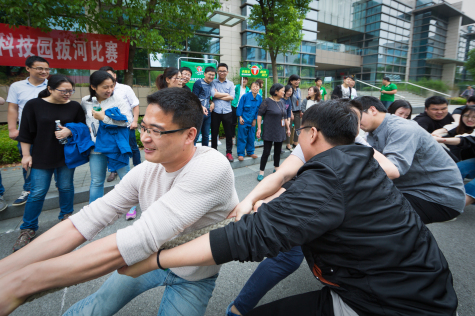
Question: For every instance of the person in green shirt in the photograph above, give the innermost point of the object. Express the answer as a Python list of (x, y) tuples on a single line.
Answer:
[(323, 91), (388, 90)]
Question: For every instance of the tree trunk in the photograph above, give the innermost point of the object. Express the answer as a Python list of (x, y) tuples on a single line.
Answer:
[(129, 73), (275, 75)]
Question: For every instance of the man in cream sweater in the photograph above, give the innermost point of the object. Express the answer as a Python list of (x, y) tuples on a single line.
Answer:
[(180, 188)]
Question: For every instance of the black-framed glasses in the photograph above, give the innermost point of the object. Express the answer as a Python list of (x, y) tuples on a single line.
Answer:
[(65, 92), (40, 69), (299, 130), (156, 133)]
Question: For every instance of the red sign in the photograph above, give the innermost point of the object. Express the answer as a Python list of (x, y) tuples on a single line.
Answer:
[(255, 70), (62, 49)]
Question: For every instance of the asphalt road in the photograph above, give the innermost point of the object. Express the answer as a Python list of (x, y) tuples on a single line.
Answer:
[(456, 239)]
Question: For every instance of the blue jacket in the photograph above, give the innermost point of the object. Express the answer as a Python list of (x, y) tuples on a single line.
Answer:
[(248, 107), (203, 91), (113, 141), (79, 145)]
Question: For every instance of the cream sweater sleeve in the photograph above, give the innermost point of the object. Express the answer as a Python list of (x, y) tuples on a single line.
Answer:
[(105, 211), (203, 192)]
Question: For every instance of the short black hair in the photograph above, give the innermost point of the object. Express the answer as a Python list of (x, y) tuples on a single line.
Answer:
[(210, 68), (368, 101), (400, 104), (387, 79), (223, 65), (437, 100), (32, 59), (186, 69), (336, 120), (293, 78), (318, 78), (275, 87), (185, 106), (471, 99), (350, 76), (107, 68), (96, 79)]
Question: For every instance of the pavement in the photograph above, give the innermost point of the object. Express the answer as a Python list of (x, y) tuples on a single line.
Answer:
[(12, 180)]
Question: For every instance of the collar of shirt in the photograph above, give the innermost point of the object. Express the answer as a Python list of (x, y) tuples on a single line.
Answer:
[(44, 83), (381, 126)]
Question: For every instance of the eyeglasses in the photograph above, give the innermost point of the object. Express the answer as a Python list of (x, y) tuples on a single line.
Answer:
[(469, 117), (65, 92), (40, 69), (158, 134), (299, 130), (179, 79), (222, 71)]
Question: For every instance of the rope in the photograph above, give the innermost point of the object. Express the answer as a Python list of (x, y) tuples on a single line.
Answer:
[(168, 245)]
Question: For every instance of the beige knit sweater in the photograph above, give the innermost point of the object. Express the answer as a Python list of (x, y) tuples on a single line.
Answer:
[(199, 194)]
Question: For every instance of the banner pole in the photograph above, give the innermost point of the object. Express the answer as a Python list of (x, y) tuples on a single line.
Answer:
[(266, 87)]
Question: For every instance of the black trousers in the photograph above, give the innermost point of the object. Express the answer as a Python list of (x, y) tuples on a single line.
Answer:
[(266, 153), (227, 120), (316, 303), (234, 120), (431, 212)]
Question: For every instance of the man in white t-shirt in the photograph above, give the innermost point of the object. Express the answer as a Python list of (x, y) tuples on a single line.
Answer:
[(180, 188), (345, 90)]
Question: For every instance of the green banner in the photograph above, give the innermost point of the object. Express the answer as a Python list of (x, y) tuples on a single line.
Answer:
[(197, 70), (254, 71)]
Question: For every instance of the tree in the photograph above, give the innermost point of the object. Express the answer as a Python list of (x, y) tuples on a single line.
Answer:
[(282, 23), (158, 26), (470, 63)]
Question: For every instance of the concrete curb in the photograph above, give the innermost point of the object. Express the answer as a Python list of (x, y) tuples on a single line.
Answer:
[(81, 194)]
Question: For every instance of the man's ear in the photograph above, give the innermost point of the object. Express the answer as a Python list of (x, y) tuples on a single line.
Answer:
[(191, 135), (314, 135)]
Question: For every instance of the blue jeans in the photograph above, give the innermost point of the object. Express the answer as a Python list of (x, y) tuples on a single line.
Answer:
[(40, 182), (269, 272), (2, 189), (204, 130), (98, 168), (467, 169), (387, 103), (245, 139), (26, 181), (135, 149), (181, 297)]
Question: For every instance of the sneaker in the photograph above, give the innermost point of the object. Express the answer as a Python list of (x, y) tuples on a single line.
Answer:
[(260, 177), (112, 177), (230, 157), (26, 235), (240, 158), (293, 146), (21, 199), (289, 148), (65, 217), (228, 310), (3, 204), (132, 214), (252, 156)]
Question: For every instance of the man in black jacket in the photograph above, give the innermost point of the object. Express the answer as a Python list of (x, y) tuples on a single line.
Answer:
[(360, 236)]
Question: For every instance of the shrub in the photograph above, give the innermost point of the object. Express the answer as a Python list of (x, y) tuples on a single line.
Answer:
[(8, 148), (458, 101)]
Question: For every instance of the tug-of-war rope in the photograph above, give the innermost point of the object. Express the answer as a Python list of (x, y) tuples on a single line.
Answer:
[(168, 245)]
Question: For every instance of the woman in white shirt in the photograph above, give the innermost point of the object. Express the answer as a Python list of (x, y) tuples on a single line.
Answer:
[(101, 98), (313, 98)]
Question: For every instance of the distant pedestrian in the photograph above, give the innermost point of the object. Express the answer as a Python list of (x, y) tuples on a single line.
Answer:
[(313, 98), (388, 90), (294, 81), (247, 114), (276, 126), (202, 89), (38, 128), (467, 93), (19, 93), (186, 75), (171, 78), (323, 91)]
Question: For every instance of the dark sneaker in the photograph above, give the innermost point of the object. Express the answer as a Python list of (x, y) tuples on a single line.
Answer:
[(21, 199), (65, 217), (3, 204), (26, 235), (112, 177), (230, 157)]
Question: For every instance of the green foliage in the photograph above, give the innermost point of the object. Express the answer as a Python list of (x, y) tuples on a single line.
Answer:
[(437, 85), (458, 101), (470, 63), (281, 21), (8, 148)]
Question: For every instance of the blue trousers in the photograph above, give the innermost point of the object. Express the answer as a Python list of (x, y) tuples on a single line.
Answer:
[(135, 148), (26, 181), (387, 103), (245, 139), (204, 130), (181, 297), (40, 182), (467, 169), (98, 168), (2, 189), (269, 272)]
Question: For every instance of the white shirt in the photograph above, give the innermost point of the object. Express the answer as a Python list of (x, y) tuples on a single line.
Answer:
[(128, 95), (345, 93)]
